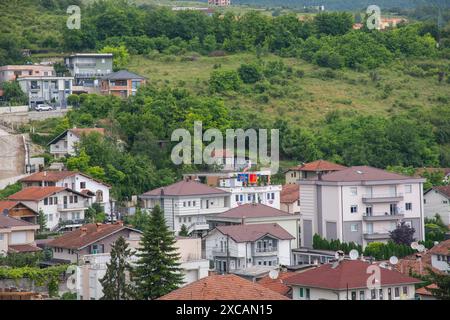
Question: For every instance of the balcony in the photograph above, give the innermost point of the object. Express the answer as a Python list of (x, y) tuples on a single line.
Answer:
[(383, 216), (382, 198), (81, 205), (198, 226), (265, 252), (377, 236)]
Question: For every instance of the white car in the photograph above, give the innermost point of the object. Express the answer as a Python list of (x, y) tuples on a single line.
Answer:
[(43, 107)]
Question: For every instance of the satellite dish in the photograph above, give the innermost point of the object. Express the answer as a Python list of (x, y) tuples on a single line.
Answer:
[(354, 254), (420, 248), (273, 274), (393, 260), (414, 245)]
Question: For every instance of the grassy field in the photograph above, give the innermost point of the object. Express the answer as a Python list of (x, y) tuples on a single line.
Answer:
[(303, 99)]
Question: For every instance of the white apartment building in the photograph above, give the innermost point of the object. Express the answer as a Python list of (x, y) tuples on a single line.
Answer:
[(187, 203), (360, 204), (237, 247), (437, 201), (63, 207), (66, 142), (49, 90), (76, 181)]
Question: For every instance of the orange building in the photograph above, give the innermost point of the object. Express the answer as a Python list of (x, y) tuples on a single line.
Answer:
[(121, 83)]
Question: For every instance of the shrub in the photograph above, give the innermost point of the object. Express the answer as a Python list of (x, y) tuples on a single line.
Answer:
[(249, 73), (224, 80)]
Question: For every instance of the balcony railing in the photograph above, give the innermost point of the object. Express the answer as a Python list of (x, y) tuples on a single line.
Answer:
[(388, 197), (376, 235), (382, 216), (265, 251)]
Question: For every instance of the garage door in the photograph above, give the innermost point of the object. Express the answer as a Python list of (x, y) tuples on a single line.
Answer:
[(18, 237)]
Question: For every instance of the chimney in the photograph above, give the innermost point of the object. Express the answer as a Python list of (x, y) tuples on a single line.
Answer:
[(419, 259), (83, 231)]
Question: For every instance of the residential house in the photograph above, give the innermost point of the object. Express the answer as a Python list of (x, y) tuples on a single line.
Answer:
[(425, 293), (87, 69), (290, 198), (121, 83), (187, 203), (93, 238), (437, 201), (242, 246), (13, 72), (277, 283), (66, 143), (46, 90), (311, 170), (76, 181), (244, 187), (18, 210), (440, 256), (16, 235), (219, 3), (223, 287), (307, 256), (360, 204), (63, 207), (348, 280), (229, 161), (192, 265), (256, 213)]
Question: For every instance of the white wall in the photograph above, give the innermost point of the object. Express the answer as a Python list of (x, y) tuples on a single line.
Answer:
[(442, 265), (435, 202)]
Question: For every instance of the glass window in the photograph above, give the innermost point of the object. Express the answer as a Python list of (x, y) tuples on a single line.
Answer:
[(408, 188), (408, 206), (354, 227), (193, 203), (353, 295), (354, 209), (50, 201), (307, 293), (362, 295), (45, 201), (1, 236), (300, 292), (82, 185), (184, 203), (237, 197), (373, 294), (353, 191), (397, 292)]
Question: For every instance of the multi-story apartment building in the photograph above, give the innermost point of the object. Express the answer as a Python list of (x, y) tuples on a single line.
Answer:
[(121, 83), (88, 68), (76, 181), (310, 170), (244, 187), (62, 207), (360, 204), (13, 72), (66, 142), (187, 203), (51, 89), (242, 246)]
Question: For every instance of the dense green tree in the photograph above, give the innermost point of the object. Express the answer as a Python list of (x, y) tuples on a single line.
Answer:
[(42, 221), (184, 231), (442, 281), (249, 73), (14, 94)]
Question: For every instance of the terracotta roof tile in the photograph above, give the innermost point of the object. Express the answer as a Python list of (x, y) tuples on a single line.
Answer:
[(411, 264), (278, 284), (319, 165), (363, 173), (8, 222), (51, 176), (223, 287), (7, 204), (251, 210), (38, 193), (253, 232), (351, 273), (23, 248), (290, 193), (443, 248), (425, 290), (185, 188)]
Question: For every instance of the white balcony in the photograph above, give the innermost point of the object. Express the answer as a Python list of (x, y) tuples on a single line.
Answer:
[(382, 198), (265, 252), (383, 216)]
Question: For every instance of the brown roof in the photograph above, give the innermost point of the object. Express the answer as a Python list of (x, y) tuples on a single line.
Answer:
[(51, 176), (253, 232), (223, 287), (85, 235), (425, 290), (8, 222), (411, 264), (252, 210), (362, 173), (38, 193), (444, 190), (442, 248), (290, 193), (278, 284), (23, 248), (319, 165), (185, 188), (7, 204), (348, 274)]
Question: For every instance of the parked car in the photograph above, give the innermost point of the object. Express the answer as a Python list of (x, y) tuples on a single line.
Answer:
[(43, 107)]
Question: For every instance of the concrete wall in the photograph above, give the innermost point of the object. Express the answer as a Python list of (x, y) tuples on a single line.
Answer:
[(435, 202)]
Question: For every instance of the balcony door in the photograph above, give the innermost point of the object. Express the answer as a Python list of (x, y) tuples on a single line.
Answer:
[(369, 228), (65, 202), (393, 191), (369, 211), (392, 209)]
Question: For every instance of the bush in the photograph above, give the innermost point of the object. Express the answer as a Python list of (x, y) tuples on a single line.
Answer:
[(249, 73), (224, 80)]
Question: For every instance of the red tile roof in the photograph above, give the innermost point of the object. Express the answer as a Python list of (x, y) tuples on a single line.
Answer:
[(443, 248), (290, 193), (251, 210), (223, 287), (349, 273), (39, 193), (8, 222), (411, 264), (85, 235), (319, 165), (444, 190), (278, 284), (425, 290), (51, 176), (363, 173), (7, 204), (185, 188), (23, 248), (253, 232)]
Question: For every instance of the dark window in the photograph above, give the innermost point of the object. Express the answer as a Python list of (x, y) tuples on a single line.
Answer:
[(408, 206), (45, 201), (82, 185), (307, 293)]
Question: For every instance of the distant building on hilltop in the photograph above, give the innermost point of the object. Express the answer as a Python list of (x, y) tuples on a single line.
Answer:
[(220, 3)]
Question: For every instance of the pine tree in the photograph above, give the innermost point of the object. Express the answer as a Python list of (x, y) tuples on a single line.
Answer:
[(157, 272), (184, 231), (42, 221), (115, 286)]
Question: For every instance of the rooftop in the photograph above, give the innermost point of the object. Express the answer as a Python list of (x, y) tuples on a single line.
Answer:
[(363, 173), (444, 190), (443, 248), (290, 193), (223, 287), (185, 188), (253, 232), (252, 210), (319, 165), (7, 204), (39, 193), (78, 132), (10, 222), (348, 274), (123, 74), (55, 176), (278, 284)]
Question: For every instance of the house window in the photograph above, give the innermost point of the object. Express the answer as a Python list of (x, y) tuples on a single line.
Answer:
[(353, 191), (373, 294), (408, 188), (354, 209), (369, 211), (237, 198), (99, 196), (193, 203), (50, 217), (354, 227), (50, 201), (241, 197), (300, 292), (70, 199), (397, 292), (353, 295), (408, 206), (55, 200), (75, 199), (405, 290), (189, 203), (380, 294), (82, 185), (179, 219), (97, 248), (1, 236), (45, 201), (307, 293), (189, 219), (362, 295), (184, 203)]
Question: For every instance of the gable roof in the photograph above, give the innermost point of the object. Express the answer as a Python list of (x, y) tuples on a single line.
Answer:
[(318, 165), (39, 193), (348, 274), (8, 205), (8, 222), (223, 287), (78, 132), (55, 176), (443, 190), (87, 234), (123, 74), (185, 188), (278, 284), (290, 193), (363, 173), (252, 210), (253, 232), (442, 248)]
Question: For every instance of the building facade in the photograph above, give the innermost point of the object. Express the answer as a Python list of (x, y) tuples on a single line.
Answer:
[(66, 143), (121, 84), (437, 201), (49, 90), (13, 72), (16, 235), (310, 170)]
